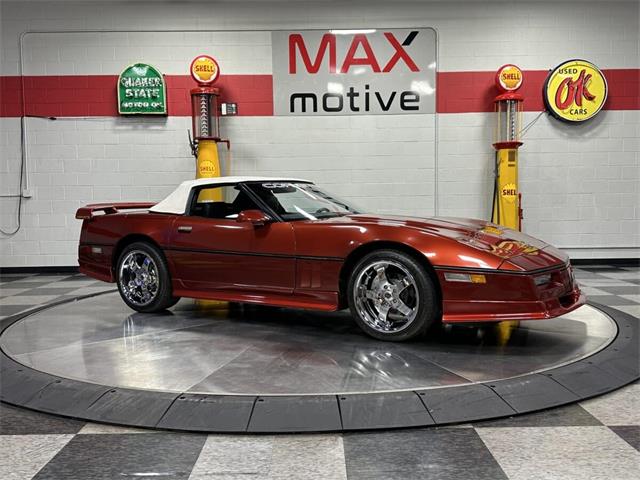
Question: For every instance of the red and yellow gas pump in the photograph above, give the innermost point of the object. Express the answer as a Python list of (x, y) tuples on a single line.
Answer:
[(206, 136), (507, 209), (205, 122)]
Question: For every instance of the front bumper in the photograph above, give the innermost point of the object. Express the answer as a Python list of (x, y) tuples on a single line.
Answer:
[(509, 296)]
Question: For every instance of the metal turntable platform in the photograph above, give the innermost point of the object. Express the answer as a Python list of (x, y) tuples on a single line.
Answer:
[(199, 367)]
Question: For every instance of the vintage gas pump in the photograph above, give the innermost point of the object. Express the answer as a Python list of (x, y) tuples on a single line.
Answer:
[(507, 209), (206, 136), (205, 122)]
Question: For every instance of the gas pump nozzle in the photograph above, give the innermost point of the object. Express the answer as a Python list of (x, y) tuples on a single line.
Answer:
[(192, 144)]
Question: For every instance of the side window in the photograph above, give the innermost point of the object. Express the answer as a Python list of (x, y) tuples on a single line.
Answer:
[(220, 202)]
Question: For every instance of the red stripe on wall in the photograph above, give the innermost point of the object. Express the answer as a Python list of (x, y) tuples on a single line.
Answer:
[(95, 95), (10, 102), (252, 93), (463, 92)]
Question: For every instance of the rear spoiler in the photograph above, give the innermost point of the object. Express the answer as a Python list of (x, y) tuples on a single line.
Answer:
[(87, 211)]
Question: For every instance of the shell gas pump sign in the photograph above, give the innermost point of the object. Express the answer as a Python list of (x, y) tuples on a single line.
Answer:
[(509, 78), (204, 70)]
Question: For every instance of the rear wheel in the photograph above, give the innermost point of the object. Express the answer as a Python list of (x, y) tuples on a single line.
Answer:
[(143, 278), (391, 296)]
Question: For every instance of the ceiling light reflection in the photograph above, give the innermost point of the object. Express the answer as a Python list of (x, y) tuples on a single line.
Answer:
[(352, 32)]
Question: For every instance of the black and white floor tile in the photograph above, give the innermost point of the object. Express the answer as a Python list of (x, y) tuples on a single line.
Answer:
[(596, 439)]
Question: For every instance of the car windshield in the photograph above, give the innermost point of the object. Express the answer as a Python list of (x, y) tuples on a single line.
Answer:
[(300, 201)]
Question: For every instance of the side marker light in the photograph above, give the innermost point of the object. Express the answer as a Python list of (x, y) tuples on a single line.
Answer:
[(465, 277)]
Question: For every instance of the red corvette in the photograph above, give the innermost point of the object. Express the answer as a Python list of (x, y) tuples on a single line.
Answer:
[(286, 242)]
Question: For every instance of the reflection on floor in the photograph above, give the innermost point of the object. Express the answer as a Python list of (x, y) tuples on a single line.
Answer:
[(273, 351), (596, 439)]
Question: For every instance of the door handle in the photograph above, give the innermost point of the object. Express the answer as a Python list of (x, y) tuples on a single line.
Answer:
[(185, 229)]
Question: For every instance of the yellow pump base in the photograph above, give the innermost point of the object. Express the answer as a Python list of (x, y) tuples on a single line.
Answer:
[(208, 166), (503, 331), (216, 307), (506, 208), (506, 212)]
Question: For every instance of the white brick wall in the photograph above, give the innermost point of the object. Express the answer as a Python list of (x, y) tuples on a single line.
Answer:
[(579, 183), (473, 36)]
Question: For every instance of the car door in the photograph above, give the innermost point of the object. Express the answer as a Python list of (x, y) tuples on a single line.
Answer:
[(211, 250)]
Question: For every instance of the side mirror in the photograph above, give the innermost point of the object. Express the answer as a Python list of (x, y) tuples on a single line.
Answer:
[(256, 217)]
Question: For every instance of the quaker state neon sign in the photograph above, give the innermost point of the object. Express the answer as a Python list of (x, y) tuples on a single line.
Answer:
[(141, 90), (575, 91)]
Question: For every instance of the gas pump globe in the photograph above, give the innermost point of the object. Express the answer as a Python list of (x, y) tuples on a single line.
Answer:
[(507, 209)]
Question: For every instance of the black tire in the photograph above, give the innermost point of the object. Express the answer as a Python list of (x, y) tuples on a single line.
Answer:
[(425, 308), (162, 298)]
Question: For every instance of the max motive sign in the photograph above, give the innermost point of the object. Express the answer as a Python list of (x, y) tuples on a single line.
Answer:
[(354, 72)]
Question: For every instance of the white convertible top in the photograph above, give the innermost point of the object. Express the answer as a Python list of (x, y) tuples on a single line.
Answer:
[(176, 201)]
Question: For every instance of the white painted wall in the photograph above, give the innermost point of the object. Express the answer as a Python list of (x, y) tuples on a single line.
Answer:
[(579, 183)]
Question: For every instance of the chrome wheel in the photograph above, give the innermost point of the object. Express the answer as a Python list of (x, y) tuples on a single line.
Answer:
[(386, 296), (138, 278)]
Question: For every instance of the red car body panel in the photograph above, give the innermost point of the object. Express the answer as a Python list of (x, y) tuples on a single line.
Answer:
[(302, 264)]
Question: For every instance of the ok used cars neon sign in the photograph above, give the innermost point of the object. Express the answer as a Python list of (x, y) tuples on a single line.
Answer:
[(575, 91), (352, 72)]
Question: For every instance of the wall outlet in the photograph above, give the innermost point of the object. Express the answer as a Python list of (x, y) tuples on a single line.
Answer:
[(27, 193)]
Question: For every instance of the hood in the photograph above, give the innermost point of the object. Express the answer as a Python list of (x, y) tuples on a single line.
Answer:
[(515, 250)]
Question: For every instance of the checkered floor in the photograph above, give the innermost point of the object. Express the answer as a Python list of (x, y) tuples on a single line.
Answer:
[(596, 439)]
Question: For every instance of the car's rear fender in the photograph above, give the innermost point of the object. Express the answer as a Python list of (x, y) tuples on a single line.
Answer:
[(104, 236)]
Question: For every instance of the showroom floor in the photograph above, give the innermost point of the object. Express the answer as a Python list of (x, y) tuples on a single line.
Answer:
[(596, 439)]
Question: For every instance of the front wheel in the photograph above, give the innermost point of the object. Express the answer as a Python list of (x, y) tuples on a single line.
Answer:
[(143, 278), (391, 296)]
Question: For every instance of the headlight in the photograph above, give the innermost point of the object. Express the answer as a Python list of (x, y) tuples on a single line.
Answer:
[(542, 279)]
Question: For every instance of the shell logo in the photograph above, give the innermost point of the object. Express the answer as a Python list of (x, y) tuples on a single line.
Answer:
[(575, 91), (509, 78), (509, 192), (207, 168), (204, 70)]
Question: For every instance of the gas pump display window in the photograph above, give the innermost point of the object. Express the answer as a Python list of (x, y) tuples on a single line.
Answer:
[(301, 201)]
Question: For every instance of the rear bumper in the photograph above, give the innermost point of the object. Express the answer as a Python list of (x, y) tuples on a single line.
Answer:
[(509, 296), (97, 272), (95, 261)]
